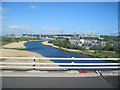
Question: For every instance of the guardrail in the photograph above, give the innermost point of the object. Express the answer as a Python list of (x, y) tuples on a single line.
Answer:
[(60, 58), (83, 66)]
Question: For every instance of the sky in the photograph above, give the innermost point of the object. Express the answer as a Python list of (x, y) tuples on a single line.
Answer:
[(57, 17)]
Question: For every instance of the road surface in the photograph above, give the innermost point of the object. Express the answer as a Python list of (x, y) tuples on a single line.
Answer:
[(54, 80)]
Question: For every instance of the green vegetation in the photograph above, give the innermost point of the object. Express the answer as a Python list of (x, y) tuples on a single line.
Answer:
[(6, 40), (96, 48), (65, 44), (110, 38), (105, 54), (107, 51), (108, 47)]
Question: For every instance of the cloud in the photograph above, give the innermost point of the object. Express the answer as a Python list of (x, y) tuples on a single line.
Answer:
[(16, 29), (24, 28), (32, 6), (115, 32), (51, 30)]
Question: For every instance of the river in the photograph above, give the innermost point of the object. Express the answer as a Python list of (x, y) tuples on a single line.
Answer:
[(49, 51)]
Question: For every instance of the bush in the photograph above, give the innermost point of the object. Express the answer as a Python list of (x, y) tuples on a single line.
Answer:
[(106, 48), (111, 48), (50, 41), (96, 48)]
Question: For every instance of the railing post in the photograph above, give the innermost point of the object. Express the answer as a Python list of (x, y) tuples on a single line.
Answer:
[(34, 62), (73, 61)]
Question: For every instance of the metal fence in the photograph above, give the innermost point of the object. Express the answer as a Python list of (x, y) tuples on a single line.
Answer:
[(83, 66)]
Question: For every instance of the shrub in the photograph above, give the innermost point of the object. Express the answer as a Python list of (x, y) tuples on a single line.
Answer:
[(96, 48)]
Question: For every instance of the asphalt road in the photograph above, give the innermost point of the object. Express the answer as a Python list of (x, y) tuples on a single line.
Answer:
[(55, 82)]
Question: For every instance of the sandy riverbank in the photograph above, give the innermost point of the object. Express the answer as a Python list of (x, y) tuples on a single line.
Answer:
[(17, 45), (12, 52)]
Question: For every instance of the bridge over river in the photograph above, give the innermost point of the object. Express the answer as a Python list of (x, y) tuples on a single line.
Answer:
[(100, 74)]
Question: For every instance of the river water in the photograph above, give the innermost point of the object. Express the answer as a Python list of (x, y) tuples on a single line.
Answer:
[(49, 51)]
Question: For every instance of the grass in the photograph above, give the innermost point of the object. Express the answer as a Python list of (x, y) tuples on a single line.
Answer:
[(93, 53), (6, 40)]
